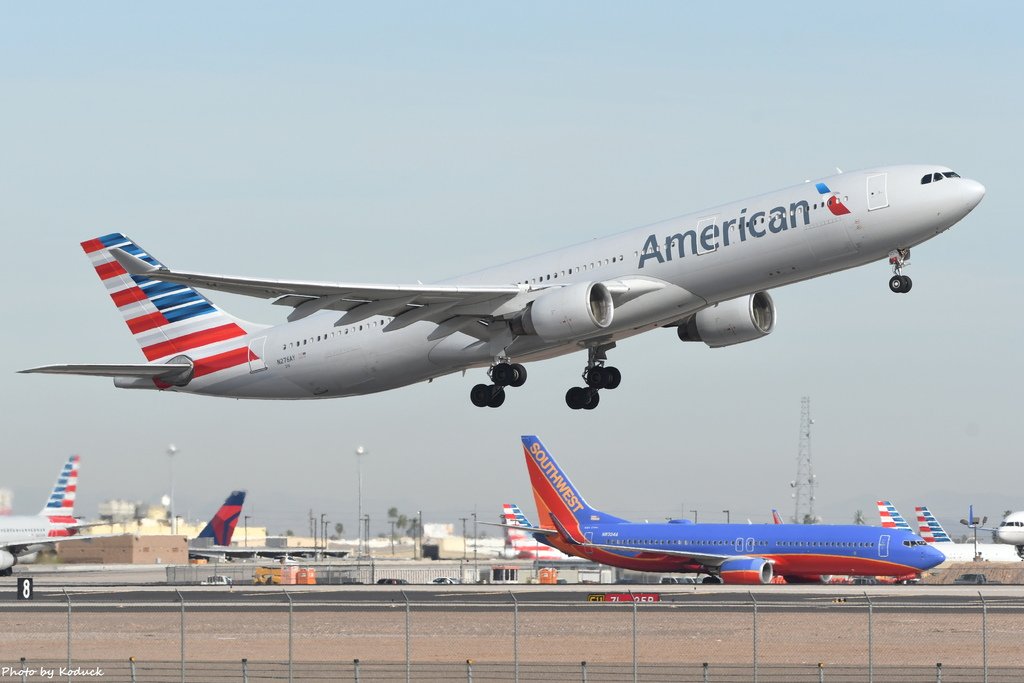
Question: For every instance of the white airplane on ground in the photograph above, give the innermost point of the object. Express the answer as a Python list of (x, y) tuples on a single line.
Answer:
[(23, 536), (929, 528), (1011, 532), (706, 274)]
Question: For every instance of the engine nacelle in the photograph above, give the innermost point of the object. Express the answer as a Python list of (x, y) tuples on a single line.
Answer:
[(752, 571), (808, 578), (731, 322), (7, 560), (567, 312)]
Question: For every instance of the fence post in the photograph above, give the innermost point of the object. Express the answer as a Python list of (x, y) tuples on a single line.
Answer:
[(245, 670), (871, 652), (821, 672), (181, 599), (938, 672), (753, 602), (290, 616), (68, 598), (515, 636), (24, 672), (984, 638), (583, 671), (705, 672), (355, 669), (131, 668), (408, 650), (633, 600), (469, 671)]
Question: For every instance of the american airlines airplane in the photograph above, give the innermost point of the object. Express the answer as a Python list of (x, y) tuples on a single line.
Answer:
[(933, 533), (23, 536), (727, 553), (707, 274), (522, 544)]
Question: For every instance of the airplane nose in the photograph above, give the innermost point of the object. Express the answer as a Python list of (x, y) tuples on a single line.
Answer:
[(933, 556), (973, 192)]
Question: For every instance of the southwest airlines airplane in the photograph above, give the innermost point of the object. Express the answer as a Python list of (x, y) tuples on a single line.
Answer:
[(728, 553), (706, 274)]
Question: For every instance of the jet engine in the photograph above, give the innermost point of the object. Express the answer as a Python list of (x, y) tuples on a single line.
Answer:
[(7, 560), (731, 322), (808, 578), (567, 312), (749, 571)]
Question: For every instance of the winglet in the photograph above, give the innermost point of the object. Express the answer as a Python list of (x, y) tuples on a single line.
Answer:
[(133, 264)]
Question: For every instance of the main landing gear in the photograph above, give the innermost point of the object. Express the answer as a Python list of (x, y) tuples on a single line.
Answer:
[(503, 374), (899, 283), (596, 376)]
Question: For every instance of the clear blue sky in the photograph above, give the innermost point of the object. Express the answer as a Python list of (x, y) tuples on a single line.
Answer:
[(387, 142)]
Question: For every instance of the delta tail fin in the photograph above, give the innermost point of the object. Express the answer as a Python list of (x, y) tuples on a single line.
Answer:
[(556, 497), (891, 517), (221, 527), (61, 502), (929, 528)]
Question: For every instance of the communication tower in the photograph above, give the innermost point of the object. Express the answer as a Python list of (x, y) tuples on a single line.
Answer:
[(805, 482)]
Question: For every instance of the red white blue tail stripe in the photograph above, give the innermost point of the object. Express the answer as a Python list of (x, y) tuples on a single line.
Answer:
[(929, 528), (168, 319), (891, 517), (62, 498)]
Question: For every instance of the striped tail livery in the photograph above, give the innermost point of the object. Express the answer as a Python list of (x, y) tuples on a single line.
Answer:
[(61, 502), (891, 517), (929, 527), (222, 526)]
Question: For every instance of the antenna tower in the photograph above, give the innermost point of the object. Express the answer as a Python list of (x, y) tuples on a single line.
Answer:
[(805, 482)]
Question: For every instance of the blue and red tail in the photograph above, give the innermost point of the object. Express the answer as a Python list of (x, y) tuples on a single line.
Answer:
[(61, 502), (222, 526), (167, 318)]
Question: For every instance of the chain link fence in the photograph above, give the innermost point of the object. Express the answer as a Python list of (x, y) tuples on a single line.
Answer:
[(306, 636)]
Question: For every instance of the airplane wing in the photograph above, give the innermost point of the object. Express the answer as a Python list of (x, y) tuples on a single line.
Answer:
[(522, 527), (406, 303), (16, 545), (168, 372)]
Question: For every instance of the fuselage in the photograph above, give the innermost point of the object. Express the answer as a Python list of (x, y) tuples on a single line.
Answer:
[(698, 260), (1011, 529), (793, 549)]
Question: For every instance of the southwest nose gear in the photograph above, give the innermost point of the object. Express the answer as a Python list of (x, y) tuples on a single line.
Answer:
[(899, 283)]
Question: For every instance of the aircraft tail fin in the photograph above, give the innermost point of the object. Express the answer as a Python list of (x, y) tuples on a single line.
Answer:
[(222, 525), (166, 318), (929, 528), (776, 518), (891, 517), (556, 496), (61, 502)]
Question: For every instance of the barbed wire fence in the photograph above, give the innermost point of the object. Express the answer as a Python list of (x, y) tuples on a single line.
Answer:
[(301, 636)]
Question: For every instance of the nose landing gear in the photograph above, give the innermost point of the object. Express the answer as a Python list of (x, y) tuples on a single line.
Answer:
[(899, 283)]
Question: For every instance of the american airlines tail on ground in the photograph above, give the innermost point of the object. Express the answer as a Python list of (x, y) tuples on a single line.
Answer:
[(935, 535), (524, 544), (729, 553), (21, 537), (891, 517), (706, 274)]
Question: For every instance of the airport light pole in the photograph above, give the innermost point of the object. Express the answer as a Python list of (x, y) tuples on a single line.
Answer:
[(366, 520), (694, 516), (323, 532), (727, 521), (245, 520), (171, 451), (360, 452), (419, 532), (476, 567), (463, 519)]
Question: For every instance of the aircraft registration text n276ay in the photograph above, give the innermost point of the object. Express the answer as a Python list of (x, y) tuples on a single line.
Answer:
[(707, 274)]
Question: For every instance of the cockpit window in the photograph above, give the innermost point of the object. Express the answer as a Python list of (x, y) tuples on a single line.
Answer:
[(950, 174), (936, 177), (926, 179)]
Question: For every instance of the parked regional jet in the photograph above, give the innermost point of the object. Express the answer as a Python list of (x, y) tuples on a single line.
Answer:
[(522, 544), (728, 553), (1011, 531), (932, 532), (22, 537), (705, 274)]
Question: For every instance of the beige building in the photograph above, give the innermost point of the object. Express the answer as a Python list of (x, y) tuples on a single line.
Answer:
[(127, 549)]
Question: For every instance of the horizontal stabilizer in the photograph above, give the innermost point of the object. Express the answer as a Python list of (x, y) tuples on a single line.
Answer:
[(166, 371)]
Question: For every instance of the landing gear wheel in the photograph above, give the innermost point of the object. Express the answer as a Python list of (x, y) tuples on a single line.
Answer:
[(907, 283), (497, 397), (595, 377), (612, 378), (503, 374), (480, 395), (520, 375), (897, 284), (576, 398), (712, 579), (593, 398)]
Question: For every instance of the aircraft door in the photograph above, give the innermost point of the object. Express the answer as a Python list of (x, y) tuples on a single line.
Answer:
[(589, 536), (878, 196), (883, 545), (256, 354)]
